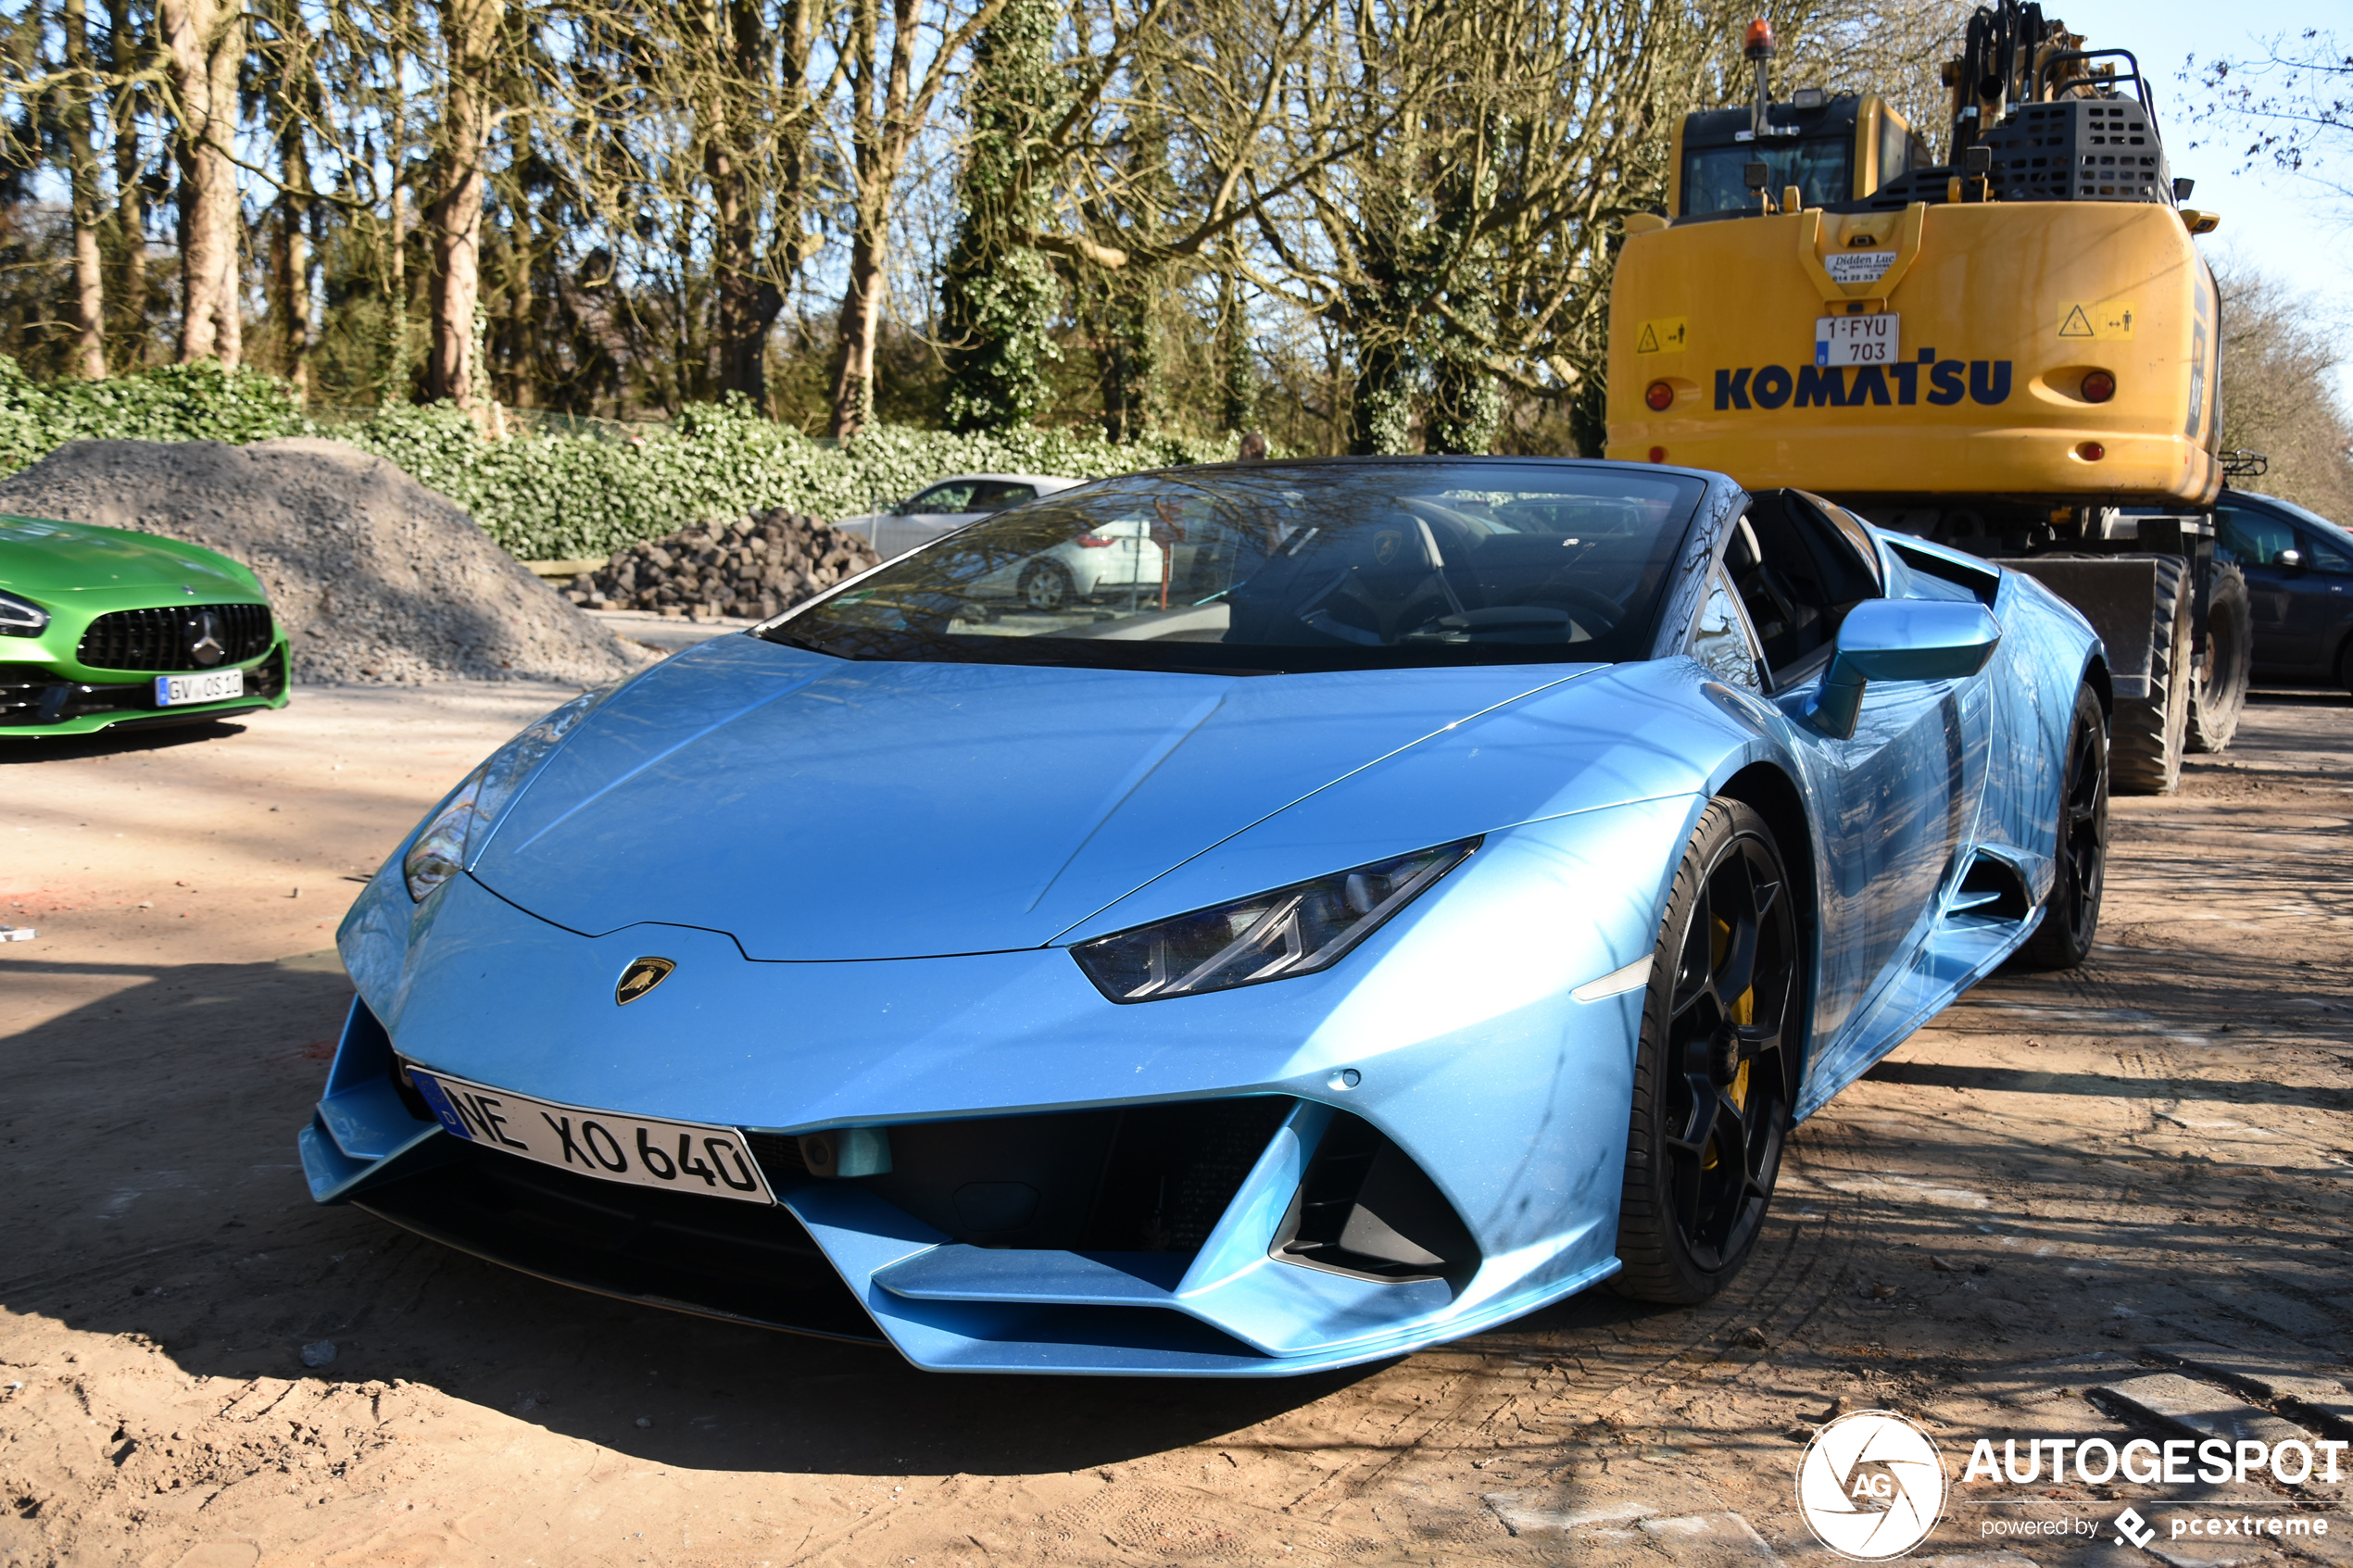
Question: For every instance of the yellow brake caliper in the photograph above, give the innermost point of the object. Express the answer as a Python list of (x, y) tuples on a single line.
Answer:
[(1743, 1014)]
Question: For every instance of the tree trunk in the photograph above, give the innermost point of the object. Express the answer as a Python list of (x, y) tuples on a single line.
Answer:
[(292, 93), (880, 134), (130, 194), (290, 287), (1236, 375), (455, 218), (89, 286), (749, 300), (196, 32), (861, 304), (397, 384)]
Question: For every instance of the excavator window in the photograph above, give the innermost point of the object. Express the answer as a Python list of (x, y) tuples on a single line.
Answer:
[(1820, 166), (1798, 575)]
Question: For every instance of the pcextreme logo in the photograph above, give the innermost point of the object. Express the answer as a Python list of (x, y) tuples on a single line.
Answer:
[(1872, 1486), (1827, 386)]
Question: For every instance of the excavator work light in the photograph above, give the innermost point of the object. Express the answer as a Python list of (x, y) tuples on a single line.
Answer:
[(2098, 386), (1661, 396)]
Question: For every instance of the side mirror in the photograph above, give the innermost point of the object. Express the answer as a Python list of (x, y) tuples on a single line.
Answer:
[(2292, 560), (1900, 640)]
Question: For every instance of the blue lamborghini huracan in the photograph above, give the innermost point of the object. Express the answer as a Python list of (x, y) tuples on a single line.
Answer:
[(1415, 891)]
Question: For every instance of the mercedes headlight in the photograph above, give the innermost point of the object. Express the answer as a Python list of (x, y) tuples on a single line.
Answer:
[(20, 617), (1295, 930), (463, 822)]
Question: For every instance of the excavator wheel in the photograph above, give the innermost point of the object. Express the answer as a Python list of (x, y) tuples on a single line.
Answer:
[(2218, 690), (2147, 734)]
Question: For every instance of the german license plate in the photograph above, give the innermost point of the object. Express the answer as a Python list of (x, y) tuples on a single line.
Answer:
[(217, 686), (1855, 340), (679, 1156)]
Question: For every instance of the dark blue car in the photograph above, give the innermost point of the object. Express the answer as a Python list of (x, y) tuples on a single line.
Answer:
[(2300, 586)]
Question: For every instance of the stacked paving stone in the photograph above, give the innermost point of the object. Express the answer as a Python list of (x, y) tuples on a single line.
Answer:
[(754, 566)]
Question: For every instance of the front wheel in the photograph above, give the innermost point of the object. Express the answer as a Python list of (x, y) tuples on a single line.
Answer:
[(1716, 1071), (2071, 913)]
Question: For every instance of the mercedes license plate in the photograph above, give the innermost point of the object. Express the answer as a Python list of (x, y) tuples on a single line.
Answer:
[(217, 686), (1855, 340), (680, 1156)]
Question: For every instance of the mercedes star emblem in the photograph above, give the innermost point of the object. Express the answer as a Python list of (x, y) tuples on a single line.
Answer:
[(204, 639)]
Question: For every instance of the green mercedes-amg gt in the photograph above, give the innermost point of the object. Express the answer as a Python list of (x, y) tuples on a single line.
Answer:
[(102, 627)]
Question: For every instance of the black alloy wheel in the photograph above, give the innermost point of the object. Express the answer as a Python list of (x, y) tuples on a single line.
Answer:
[(2071, 912), (1717, 1072), (1046, 586)]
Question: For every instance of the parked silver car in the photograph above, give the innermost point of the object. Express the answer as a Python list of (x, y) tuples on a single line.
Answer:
[(947, 505)]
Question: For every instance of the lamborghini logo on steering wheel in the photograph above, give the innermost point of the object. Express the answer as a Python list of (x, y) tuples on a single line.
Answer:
[(1385, 545), (641, 976)]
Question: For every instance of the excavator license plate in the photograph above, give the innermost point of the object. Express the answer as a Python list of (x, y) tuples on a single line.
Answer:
[(1856, 340)]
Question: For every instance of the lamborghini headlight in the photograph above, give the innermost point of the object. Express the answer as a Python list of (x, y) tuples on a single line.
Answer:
[(463, 822), (1295, 930)]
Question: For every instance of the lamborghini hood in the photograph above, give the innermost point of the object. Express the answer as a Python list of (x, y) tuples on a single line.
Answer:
[(816, 809)]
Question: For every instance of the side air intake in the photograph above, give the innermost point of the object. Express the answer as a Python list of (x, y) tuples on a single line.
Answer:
[(1366, 1209)]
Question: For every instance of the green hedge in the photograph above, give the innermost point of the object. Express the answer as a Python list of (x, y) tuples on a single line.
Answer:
[(558, 496)]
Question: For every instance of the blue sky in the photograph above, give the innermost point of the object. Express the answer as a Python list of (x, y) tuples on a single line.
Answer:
[(2291, 229)]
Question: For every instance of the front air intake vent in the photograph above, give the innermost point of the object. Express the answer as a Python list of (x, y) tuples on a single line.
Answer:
[(1366, 1209)]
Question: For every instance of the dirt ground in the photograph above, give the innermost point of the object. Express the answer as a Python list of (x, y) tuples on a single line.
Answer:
[(2038, 1206)]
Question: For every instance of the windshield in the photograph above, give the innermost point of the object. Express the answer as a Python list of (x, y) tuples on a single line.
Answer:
[(1279, 567), (1715, 179)]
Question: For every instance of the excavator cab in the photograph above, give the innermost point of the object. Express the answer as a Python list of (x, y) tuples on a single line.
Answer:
[(1833, 149)]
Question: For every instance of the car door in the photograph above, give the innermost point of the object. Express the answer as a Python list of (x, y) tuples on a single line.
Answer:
[(2259, 540), (1898, 796), (2319, 599)]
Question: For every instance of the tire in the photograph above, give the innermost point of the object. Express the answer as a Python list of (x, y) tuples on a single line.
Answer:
[(2148, 734), (2218, 690), (2071, 912), (1046, 586), (1715, 1071), (2344, 668)]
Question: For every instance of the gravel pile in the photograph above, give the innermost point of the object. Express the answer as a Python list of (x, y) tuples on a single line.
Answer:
[(376, 578), (754, 566)]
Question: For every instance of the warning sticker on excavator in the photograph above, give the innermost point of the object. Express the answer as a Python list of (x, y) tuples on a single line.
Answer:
[(1664, 334), (2096, 321)]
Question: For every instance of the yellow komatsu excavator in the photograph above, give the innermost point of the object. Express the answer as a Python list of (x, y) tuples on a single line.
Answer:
[(2015, 352)]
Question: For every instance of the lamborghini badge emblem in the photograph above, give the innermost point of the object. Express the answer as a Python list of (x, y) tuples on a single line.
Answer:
[(641, 976), (1387, 543)]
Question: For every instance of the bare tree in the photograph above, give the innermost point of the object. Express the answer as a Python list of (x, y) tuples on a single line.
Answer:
[(2293, 101), (205, 40), (2278, 352), (127, 67), (889, 103), (75, 95), (468, 39)]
